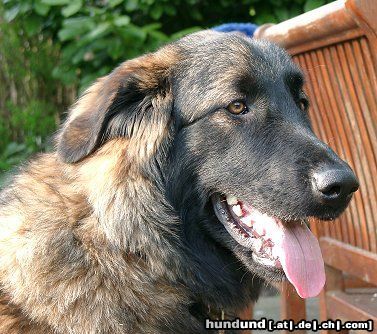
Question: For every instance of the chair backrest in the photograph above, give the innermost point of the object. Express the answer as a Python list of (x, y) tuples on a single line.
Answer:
[(336, 45)]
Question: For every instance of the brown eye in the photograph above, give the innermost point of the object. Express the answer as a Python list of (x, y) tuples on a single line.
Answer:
[(237, 107), (303, 104)]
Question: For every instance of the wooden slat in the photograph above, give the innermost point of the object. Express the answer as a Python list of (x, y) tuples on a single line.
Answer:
[(342, 87), (246, 314), (369, 130), (366, 142), (370, 67), (292, 306), (358, 155), (343, 148), (327, 118), (352, 306), (351, 282), (344, 130), (350, 259), (343, 115), (334, 281), (336, 45), (364, 14)]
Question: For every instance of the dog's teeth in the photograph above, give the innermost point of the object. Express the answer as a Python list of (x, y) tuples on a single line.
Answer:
[(258, 243), (231, 200), (268, 251), (259, 229), (237, 210), (248, 222), (268, 243)]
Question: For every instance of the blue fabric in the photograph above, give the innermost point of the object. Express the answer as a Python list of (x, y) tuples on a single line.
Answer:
[(246, 28)]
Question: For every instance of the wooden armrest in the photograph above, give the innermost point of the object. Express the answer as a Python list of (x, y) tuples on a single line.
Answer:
[(350, 306), (330, 22), (355, 261)]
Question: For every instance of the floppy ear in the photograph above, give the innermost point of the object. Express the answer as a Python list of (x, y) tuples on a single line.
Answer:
[(118, 105)]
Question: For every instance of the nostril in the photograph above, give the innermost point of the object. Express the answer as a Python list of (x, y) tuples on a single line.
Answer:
[(333, 191), (334, 186), (354, 189)]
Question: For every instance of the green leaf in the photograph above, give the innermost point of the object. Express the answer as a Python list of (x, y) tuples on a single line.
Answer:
[(78, 22), (72, 8), (133, 34), (65, 74), (156, 12), (265, 17), (281, 13), (185, 32), (100, 30), (3, 176), (131, 5), (25, 7), (13, 148), (41, 8), (33, 25), (56, 2), (122, 21), (170, 10), (114, 3), (312, 4), (159, 36), (67, 34), (11, 14), (100, 45), (115, 48), (86, 81), (79, 56), (295, 10), (69, 50), (196, 14), (151, 27), (75, 27), (96, 11)]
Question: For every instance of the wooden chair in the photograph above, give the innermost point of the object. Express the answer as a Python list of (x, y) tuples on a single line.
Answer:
[(336, 45)]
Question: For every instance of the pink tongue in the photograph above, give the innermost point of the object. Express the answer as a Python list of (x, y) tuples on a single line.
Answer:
[(301, 259), (297, 249)]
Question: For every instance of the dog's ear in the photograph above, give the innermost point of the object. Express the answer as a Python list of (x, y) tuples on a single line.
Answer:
[(119, 104)]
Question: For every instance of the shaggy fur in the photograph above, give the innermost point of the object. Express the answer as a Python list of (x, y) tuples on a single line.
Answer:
[(114, 232)]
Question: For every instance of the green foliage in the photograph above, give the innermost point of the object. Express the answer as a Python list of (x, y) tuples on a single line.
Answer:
[(52, 49), (312, 4), (95, 36), (28, 107), (12, 155), (32, 125)]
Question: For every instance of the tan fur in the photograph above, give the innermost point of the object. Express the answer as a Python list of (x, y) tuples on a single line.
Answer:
[(91, 239), (68, 264), (53, 216)]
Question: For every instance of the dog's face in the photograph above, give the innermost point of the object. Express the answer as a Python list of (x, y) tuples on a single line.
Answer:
[(231, 143), (250, 160)]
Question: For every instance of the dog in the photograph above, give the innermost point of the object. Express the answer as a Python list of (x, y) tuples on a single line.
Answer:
[(181, 183)]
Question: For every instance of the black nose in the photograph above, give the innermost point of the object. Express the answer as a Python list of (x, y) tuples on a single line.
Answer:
[(335, 186)]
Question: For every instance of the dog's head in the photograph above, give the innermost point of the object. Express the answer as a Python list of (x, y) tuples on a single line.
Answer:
[(220, 122)]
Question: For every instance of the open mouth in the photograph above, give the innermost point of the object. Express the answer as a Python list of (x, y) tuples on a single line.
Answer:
[(275, 244)]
